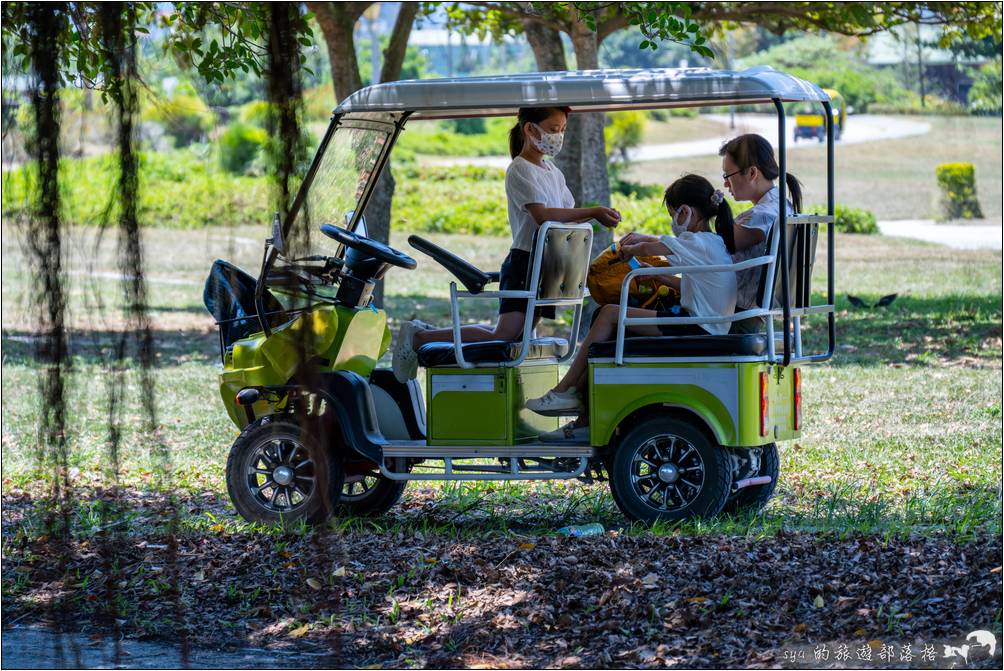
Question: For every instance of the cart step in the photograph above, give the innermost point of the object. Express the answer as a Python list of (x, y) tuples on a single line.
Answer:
[(538, 461)]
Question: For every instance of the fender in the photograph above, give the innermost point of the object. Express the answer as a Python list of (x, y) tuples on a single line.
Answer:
[(348, 396)]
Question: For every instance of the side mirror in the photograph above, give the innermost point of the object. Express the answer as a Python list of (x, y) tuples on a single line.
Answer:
[(277, 240), (360, 225)]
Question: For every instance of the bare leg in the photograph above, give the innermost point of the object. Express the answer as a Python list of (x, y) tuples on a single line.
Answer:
[(509, 327), (603, 328)]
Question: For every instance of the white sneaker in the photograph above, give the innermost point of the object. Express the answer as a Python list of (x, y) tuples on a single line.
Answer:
[(569, 434), (557, 403), (405, 361)]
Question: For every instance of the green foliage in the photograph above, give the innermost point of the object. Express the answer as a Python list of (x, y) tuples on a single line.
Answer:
[(217, 39), (240, 145), (820, 59), (985, 94), (179, 190), (473, 126), (439, 139), (850, 219), (911, 104), (623, 130), (255, 113), (673, 112), (958, 191), (184, 117), (319, 102)]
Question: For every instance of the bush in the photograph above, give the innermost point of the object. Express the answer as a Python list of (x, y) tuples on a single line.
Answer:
[(179, 190), (255, 113), (240, 145), (474, 126), (985, 94), (958, 191), (850, 219), (623, 130), (933, 105), (667, 114), (185, 118)]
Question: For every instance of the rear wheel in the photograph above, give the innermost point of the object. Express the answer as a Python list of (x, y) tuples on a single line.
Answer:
[(366, 492), (277, 473), (667, 469), (755, 462)]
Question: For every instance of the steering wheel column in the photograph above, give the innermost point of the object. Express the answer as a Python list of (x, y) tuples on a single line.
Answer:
[(366, 261)]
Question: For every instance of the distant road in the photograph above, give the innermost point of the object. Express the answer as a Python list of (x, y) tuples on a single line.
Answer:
[(860, 128), (950, 235)]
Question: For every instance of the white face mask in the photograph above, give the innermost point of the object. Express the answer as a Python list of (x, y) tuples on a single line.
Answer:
[(548, 143), (682, 225)]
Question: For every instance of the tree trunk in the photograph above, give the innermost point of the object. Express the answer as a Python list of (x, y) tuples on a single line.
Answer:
[(549, 53), (595, 181), (337, 21)]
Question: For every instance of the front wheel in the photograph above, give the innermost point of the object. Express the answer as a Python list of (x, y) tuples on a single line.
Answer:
[(668, 469), (277, 473)]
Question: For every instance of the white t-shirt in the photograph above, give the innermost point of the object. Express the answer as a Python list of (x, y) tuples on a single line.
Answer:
[(704, 294), (526, 183), (760, 217)]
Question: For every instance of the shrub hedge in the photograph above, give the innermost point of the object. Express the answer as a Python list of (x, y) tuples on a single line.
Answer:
[(958, 191)]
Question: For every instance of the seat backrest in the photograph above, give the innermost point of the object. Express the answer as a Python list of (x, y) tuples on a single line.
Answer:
[(800, 241), (564, 252), (229, 297)]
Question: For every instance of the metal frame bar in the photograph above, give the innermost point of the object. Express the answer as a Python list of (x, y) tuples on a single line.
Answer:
[(512, 471), (532, 302)]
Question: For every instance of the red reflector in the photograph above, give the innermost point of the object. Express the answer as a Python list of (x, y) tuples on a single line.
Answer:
[(764, 404), (798, 399)]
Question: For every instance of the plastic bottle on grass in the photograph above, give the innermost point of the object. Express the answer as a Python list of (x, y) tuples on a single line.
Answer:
[(592, 529)]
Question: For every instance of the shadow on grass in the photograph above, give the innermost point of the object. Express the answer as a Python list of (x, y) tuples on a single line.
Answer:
[(97, 347), (953, 329)]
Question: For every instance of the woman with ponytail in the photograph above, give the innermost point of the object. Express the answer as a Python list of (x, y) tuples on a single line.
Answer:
[(694, 204), (535, 193), (750, 170)]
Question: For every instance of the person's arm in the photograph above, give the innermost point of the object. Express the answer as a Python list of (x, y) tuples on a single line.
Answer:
[(747, 237), (607, 216)]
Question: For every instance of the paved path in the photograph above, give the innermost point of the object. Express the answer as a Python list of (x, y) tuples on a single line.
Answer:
[(954, 236), (32, 647), (860, 128)]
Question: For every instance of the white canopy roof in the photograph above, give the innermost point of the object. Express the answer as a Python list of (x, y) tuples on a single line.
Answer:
[(583, 90)]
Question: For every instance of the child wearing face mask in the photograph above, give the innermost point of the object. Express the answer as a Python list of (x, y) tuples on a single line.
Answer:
[(693, 204), (535, 193)]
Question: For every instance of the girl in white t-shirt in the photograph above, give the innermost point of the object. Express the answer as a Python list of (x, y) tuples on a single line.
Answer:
[(692, 203), (535, 193)]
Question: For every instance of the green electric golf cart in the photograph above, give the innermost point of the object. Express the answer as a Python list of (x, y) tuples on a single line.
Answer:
[(681, 426)]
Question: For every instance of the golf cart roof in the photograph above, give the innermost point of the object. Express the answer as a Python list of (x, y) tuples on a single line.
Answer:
[(587, 90)]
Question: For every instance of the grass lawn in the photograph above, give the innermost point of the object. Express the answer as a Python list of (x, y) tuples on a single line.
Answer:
[(888, 511), (894, 178), (902, 427), (681, 129)]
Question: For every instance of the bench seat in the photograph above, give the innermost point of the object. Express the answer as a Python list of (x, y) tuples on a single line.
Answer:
[(435, 354), (750, 344)]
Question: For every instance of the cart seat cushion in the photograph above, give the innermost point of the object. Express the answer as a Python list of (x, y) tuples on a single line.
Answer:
[(435, 354), (748, 344)]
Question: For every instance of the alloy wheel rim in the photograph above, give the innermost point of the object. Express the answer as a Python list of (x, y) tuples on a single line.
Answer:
[(667, 473), (357, 487), (280, 475)]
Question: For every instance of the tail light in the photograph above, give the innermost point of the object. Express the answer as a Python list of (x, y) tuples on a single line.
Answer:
[(798, 399), (764, 404)]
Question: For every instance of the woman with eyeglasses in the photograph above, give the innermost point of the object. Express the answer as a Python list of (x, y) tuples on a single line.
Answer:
[(750, 171)]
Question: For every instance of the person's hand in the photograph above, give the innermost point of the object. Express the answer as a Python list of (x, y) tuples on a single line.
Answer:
[(607, 216), (627, 250), (634, 237)]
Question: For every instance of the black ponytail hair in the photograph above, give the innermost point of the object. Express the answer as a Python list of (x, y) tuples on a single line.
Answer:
[(533, 115), (697, 192), (752, 150)]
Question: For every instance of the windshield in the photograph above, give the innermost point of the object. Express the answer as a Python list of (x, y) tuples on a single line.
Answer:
[(341, 177)]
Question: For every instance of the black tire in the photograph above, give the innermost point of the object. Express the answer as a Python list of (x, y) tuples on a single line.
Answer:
[(645, 492), (370, 494), (261, 491), (757, 496)]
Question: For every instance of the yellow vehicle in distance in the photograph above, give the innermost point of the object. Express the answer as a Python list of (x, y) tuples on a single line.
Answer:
[(809, 118)]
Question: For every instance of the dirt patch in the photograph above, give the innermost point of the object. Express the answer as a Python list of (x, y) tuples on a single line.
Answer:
[(399, 597)]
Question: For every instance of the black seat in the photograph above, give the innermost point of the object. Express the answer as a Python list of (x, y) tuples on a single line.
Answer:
[(751, 344), (229, 297), (435, 354)]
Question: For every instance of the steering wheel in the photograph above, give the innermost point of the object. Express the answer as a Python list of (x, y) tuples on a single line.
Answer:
[(373, 248)]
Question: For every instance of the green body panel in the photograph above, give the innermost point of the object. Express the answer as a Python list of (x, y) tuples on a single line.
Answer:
[(726, 396), (344, 338), (485, 406)]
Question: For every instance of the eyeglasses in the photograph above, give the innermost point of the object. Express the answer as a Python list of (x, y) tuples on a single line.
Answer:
[(726, 178)]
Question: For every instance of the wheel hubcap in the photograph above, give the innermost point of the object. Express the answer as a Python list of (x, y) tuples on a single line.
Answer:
[(667, 473), (280, 475)]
